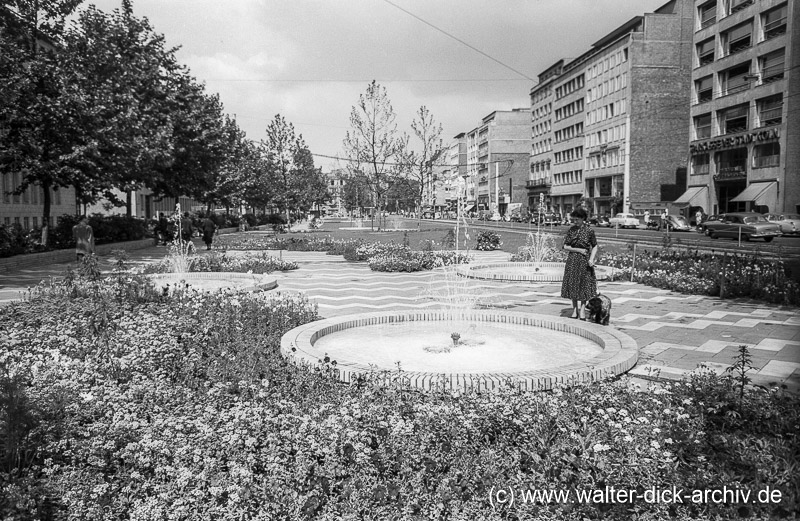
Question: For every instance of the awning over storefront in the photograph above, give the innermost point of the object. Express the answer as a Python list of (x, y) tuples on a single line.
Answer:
[(762, 194), (694, 196)]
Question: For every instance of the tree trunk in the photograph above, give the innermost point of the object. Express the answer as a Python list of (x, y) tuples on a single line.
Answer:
[(45, 212), (129, 203)]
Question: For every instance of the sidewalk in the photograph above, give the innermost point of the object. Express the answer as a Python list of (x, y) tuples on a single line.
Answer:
[(675, 332)]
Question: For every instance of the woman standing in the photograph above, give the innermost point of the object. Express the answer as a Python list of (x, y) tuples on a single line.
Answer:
[(579, 283)]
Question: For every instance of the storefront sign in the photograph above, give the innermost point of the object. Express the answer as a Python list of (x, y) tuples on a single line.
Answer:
[(735, 141), (731, 173)]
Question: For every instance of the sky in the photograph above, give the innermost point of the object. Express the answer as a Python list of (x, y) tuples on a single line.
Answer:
[(308, 60)]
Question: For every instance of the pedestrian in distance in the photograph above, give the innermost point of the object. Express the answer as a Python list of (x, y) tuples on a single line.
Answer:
[(209, 228), (698, 219), (186, 227), (163, 229), (646, 218), (579, 283), (84, 239)]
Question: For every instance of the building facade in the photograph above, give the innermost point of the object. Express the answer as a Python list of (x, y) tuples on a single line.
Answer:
[(744, 131), (607, 126), (540, 180), (498, 161)]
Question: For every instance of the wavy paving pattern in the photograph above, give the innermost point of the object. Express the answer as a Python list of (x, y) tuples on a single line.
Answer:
[(675, 332)]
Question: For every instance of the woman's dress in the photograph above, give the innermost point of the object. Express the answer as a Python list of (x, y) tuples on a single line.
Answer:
[(579, 281)]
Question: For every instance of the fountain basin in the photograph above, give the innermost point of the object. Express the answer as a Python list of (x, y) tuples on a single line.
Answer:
[(212, 281), (523, 271), (534, 352)]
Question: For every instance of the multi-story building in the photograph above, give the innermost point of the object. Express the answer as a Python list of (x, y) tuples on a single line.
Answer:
[(541, 180), (742, 122), (498, 157), (455, 172), (608, 125), (335, 180)]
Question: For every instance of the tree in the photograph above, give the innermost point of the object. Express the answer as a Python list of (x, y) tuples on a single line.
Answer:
[(420, 163), (373, 146), (126, 72), (297, 181), (198, 140), (42, 110)]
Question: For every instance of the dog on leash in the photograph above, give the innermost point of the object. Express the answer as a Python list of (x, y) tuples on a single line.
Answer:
[(599, 309)]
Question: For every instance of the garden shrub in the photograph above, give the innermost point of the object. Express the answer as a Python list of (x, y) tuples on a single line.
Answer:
[(488, 241), (216, 261), (15, 240), (687, 271)]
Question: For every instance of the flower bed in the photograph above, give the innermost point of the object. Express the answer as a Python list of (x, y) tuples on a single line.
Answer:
[(416, 260), (258, 262), (729, 276), (488, 241), (130, 404)]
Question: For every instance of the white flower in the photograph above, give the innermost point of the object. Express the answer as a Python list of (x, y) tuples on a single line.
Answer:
[(655, 444)]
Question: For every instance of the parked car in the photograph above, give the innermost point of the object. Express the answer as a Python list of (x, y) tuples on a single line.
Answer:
[(788, 223), (624, 220), (599, 220), (750, 225), (678, 223), (551, 219), (710, 219)]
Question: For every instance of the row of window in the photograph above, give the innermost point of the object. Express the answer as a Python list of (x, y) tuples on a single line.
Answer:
[(766, 112), (607, 64), (569, 132), (570, 109), (570, 154), (605, 112), (542, 111), (615, 157), (541, 167), (769, 68), (607, 87), (771, 20), (33, 194), (568, 178), (540, 128), (569, 87), (540, 95), (26, 223), (609, 135), (545, 145), (766, 155)]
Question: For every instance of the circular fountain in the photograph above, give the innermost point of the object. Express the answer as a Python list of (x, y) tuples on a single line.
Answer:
[(524, 271), (479, 349)]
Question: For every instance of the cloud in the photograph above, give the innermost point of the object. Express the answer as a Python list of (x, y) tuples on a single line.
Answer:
[(310, 59)]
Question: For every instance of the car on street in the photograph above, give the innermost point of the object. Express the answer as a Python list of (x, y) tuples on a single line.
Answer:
[(551, 219), (599, 220), (678, 223), (624, 220), (748, 225), (788, 223)]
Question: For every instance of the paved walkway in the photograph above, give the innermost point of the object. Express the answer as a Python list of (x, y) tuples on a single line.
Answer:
[(675, 332)]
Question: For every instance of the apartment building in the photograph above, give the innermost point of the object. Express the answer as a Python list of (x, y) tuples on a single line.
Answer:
[(455, 172), (607, 126), (540, 181), (498, 160), (744, 85)]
